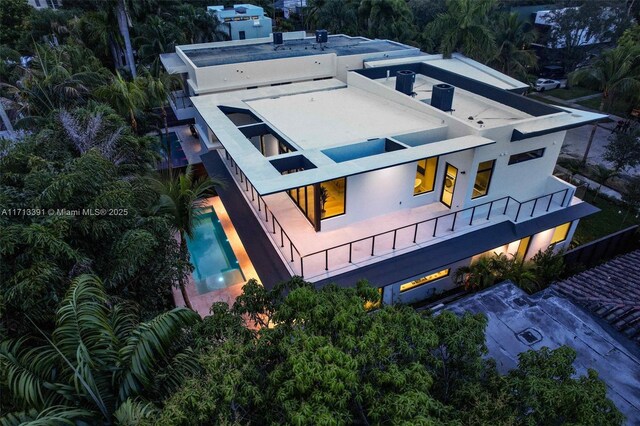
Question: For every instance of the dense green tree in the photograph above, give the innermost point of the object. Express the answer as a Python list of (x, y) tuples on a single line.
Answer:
[(126, 97), (325, 359), (99, 365), (59, 77), (87, 158), (181, 199), (513, 38), (337, 17), (425, 11), (198, 25), (390, 19), (571, 28), (13, 21), (623, 150), (631, 37), (156, 37), (464, 27)]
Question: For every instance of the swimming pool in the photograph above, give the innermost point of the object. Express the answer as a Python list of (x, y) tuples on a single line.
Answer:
[(215, 265), (178, 157)]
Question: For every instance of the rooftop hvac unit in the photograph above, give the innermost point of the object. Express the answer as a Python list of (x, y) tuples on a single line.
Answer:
[(442, 97), (277, 39), (404, 81), (322, 36)]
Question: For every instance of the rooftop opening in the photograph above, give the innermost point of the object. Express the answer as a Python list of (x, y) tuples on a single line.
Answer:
[(379, 146), (293, 164)]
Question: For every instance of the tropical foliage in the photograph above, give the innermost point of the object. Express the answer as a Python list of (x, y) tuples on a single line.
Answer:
[(533, 275), (99, 362), (327, 360)]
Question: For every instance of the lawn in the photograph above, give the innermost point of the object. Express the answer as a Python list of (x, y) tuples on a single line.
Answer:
[(572, 93), (543, 99), (612, 217), (619, 107)]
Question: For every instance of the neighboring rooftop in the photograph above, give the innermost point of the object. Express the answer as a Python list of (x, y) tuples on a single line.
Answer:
[(518, 322), (610, 291), (341, 45)]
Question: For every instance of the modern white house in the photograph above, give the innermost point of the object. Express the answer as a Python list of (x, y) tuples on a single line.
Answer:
[(369, 159), (242, 21)]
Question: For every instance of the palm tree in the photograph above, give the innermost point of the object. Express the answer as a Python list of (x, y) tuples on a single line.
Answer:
[(386, 19), (123, 24), (126, 97), (157, 37), (615, 72), (157, 92), (513, 37), (336, 16), (181, 199), (464, 27), (98, 365), (601, 175), (199, 26)]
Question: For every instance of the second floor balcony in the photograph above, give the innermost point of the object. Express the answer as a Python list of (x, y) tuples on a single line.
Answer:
[(321, 255)]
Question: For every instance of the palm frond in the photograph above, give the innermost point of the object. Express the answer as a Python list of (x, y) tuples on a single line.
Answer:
[(146, 345)]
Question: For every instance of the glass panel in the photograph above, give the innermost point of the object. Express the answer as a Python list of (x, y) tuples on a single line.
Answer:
[(425, 176), (560, 233), (526, 156), (424, 280), (310, 208), (483, 179), (333, 197), (449, 185)]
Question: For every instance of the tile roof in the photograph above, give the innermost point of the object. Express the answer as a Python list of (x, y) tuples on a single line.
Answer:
[(610, 291)]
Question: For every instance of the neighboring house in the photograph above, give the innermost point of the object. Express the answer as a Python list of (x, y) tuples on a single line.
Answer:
[(243, 21), (610, 291), (289, 6), (45, 4), (518, 322), (363, 158)]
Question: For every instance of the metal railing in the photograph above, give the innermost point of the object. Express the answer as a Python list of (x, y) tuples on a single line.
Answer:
[(454, 221), (180, 100), (263, 209), (373, 245)]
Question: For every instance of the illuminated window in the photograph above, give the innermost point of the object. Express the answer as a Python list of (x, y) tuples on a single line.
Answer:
[(333, 197), (483, 178), (424, 280), (560, 233), (425, 176)]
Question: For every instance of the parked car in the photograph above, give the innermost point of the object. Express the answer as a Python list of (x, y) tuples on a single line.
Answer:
[(543, 84)]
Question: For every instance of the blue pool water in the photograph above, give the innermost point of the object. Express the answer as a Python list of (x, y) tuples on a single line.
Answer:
[(215, 265), (178, 157)]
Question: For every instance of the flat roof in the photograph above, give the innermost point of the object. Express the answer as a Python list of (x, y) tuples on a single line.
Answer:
[(459, 64), (173, 63), (365, 155), (478, 111), (341, 45), (334, 117), (519, 322)]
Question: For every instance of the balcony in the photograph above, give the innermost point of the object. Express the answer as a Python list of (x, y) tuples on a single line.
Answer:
[(182, 105), (320, 255)]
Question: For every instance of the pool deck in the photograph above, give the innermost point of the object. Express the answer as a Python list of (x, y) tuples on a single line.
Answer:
[(191, 146), (201, 303), (264, 257)]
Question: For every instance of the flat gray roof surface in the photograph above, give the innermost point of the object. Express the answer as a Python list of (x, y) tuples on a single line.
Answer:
[(339, 44), (556, 321)]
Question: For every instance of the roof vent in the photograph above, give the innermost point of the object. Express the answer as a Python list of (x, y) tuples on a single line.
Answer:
[(404, 81), (442, 97), (322, 36), (277, 39), (241, 9)]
